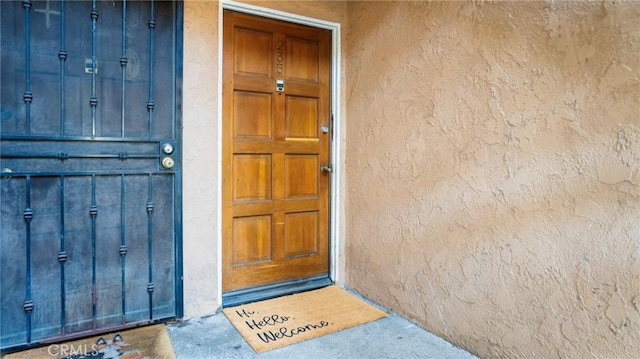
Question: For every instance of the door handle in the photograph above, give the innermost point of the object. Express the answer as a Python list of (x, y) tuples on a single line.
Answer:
[(168, 163), (326, 169)]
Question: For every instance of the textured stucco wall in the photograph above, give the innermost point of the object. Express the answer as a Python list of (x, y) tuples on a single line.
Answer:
[(200, 142), (200, 158), (493, 172)]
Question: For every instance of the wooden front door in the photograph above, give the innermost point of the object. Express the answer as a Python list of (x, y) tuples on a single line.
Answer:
[(275, 141)]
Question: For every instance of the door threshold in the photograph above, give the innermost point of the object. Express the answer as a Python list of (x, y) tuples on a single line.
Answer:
[(244, 296)]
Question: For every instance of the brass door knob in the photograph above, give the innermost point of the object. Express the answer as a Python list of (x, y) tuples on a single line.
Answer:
[(168, 163)]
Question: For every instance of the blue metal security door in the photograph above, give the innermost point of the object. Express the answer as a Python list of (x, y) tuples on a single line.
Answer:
[(91, 175)]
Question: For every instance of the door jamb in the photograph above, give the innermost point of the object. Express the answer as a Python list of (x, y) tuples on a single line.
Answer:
[(335, 198)]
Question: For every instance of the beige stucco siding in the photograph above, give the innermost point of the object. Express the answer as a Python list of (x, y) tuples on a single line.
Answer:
[(200, 158), (493, 172)]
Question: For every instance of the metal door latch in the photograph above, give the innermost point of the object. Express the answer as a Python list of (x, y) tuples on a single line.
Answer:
[(326, 169), (6, 173), (90, 67)]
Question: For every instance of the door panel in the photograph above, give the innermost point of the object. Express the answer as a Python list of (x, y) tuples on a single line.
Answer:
[(275, 198), (252, 115), (90, 219), (301, 118)]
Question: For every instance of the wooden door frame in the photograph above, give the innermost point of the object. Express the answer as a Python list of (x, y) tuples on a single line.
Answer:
[(336, 149)]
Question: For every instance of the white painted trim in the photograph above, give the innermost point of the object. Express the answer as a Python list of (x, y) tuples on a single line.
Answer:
[(337, 155), (338, 127), (278, 15), (219, 167)]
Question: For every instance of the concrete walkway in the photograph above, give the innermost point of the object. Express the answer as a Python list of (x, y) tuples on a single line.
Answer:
[(388, 338)]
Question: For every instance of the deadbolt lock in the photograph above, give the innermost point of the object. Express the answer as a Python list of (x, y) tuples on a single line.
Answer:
[(167, 148), (168, 163)]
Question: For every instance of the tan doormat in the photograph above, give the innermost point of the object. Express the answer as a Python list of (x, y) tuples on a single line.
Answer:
[(275, 323), (141, 343)]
